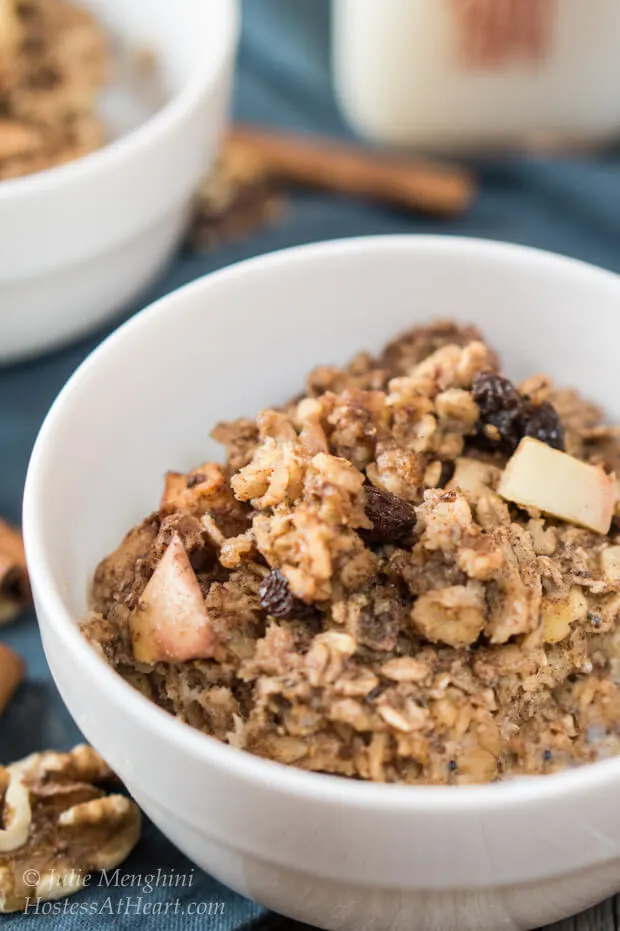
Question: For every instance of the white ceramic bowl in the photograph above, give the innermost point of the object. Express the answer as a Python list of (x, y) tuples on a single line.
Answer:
[(329, 851), (79, 241)]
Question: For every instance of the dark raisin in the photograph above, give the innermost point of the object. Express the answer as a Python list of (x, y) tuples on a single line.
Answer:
[(197, 479), (512, 416), (493, 393), (547, 755), (615, 526), (278, 600), (393, 518), (501, 407), (452, 766), (542, 423)]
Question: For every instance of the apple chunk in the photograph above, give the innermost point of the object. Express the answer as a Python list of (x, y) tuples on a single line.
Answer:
[(541, 477), (170, 624)]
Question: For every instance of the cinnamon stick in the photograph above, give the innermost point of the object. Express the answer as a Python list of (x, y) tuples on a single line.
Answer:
[(236, 198), (12, 670), (14, 583), (347, 169)]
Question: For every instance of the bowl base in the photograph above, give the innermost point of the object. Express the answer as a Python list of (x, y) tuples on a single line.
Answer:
[(79, 299), (340, 906)]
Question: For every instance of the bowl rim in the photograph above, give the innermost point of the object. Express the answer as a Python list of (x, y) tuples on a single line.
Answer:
[(205, 749), (145, 136)]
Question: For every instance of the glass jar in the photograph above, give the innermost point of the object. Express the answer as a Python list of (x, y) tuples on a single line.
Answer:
[(457, 74)]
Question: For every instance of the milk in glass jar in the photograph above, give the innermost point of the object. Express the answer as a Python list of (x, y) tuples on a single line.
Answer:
[(450, 74)]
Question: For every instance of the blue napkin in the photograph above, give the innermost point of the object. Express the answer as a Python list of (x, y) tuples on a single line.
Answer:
[(570, 206)]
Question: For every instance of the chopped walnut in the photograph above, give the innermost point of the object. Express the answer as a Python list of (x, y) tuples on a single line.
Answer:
[(59, 825), (311, 432), (275, 474), (455, 615)]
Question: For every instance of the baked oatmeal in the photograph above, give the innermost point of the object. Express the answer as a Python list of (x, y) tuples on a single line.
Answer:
[(53, 62), (409, 574)]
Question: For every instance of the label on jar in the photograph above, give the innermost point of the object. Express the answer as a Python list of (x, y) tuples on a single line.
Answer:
[(494, 33)]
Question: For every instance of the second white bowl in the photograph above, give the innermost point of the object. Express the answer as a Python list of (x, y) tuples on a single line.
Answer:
[(79, 241)]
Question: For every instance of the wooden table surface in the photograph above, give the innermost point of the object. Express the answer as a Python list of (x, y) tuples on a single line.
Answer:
[(603, 917)]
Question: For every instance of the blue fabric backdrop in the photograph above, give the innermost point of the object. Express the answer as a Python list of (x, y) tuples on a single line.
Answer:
[(571, 206)]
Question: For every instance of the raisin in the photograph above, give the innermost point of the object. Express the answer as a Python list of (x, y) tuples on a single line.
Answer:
[(278, 600), (392, 517), (513, 417), (542, 423), (501, 407)]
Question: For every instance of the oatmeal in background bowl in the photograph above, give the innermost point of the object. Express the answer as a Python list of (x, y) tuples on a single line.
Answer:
[(68, 85), (55, 61), (410, 573), (141, 90)]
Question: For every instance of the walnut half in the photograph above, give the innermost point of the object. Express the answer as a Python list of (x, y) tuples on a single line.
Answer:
[(57, 824)]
